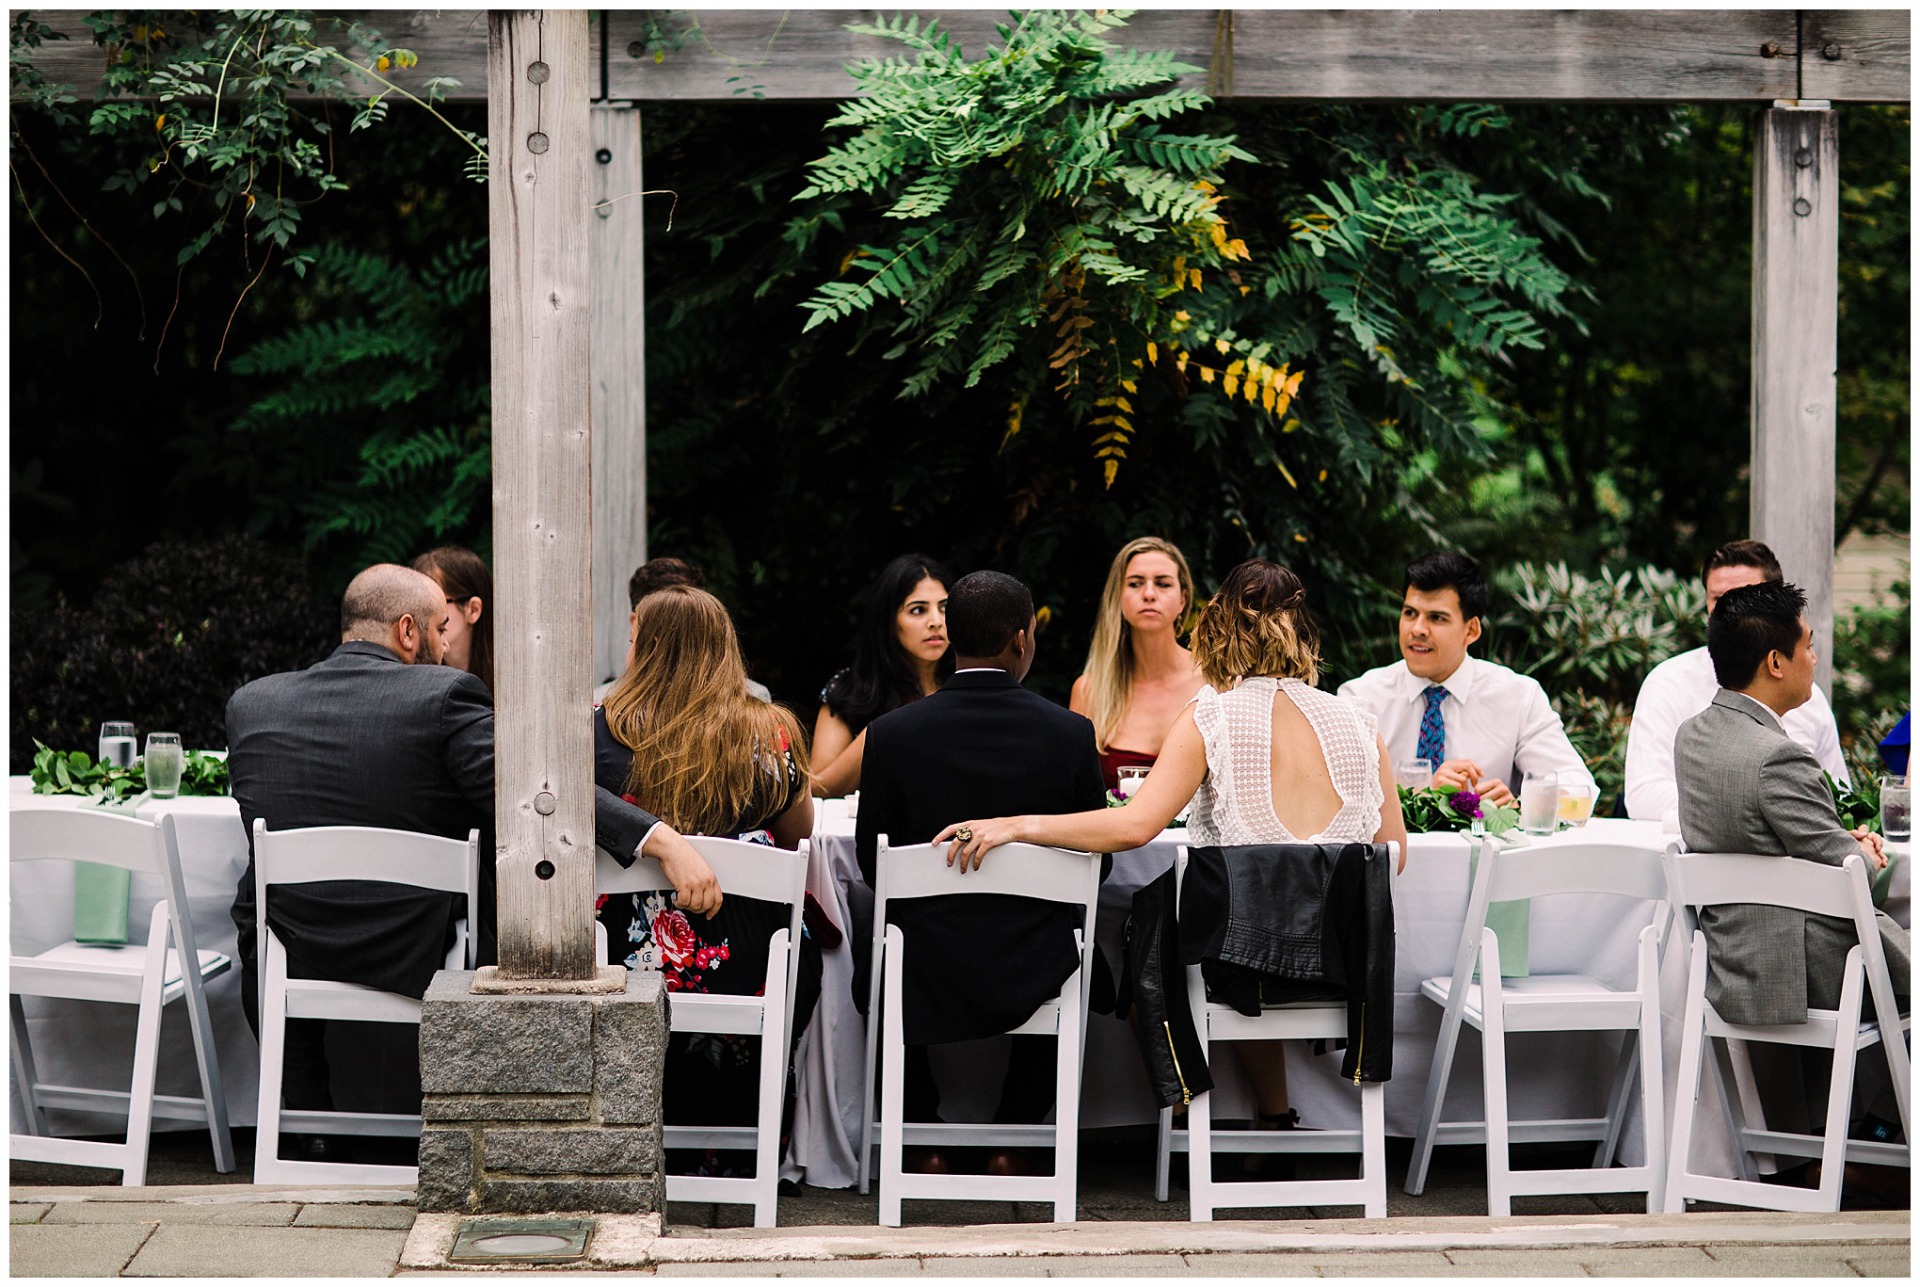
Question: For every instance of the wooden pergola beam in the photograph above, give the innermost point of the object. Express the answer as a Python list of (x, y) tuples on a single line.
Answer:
[(1273, 55)]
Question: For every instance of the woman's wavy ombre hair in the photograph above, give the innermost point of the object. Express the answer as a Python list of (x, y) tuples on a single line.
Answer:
[(1257, 624)]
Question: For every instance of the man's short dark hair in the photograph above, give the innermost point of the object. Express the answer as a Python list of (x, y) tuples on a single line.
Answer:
[(1442, 569), (1749, 622), (658, 574), (985, 610), (1744, 554)]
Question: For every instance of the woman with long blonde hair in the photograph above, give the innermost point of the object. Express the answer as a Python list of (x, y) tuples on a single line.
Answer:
[(1138, 677), (680, 736)]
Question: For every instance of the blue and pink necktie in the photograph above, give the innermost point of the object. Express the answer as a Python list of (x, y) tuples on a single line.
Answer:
[(1433, 733)]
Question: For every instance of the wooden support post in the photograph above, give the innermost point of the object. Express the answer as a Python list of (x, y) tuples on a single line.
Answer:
[(539, 85), (619, 379), (1796, 286)]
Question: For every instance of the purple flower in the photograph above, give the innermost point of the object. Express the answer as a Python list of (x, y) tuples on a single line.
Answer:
[(1466, 802), (1478, 814)]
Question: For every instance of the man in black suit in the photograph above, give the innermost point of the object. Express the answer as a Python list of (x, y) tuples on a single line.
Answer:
[(381, 735), (981, 746)]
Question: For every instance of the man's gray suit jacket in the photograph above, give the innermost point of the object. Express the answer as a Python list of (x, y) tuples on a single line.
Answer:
[(1748, 788), (364, 739)]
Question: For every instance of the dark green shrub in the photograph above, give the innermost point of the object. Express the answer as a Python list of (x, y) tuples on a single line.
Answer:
[(166, 640)]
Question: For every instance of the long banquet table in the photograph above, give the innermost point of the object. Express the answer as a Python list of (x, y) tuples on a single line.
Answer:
[(90, 1043), (1550, 1074)]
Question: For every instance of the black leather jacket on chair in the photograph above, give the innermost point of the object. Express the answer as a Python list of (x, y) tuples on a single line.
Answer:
[(1266, 923)]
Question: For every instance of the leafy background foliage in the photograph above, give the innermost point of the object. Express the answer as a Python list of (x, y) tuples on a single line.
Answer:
[(1520, 331), (164, 642)]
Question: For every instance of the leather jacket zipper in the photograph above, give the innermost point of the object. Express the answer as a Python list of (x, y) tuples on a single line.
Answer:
[(1186, 1096), (1360, 1057)]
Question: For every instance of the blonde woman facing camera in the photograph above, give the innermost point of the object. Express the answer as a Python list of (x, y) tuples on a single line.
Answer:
[(1265, 756), (1138, 677)]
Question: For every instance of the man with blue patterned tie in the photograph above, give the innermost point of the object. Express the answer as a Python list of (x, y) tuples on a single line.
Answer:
[(1484, 725)]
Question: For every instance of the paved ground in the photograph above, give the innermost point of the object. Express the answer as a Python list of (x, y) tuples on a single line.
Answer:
[(191, 1222)]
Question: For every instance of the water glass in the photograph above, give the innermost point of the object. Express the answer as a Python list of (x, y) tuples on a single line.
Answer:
[(1131, 776), (165, 762), (1896, 809), (119, 743), (1576, 803), (1414, 775), (1540, 804)]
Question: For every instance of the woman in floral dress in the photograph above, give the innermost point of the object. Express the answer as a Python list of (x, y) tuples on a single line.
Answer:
[(680, 736)]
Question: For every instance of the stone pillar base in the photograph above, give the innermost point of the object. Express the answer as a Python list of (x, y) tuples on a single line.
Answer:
[(541, 1103)]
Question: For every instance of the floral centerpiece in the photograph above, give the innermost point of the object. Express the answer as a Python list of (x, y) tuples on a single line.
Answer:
[(1438, 809)]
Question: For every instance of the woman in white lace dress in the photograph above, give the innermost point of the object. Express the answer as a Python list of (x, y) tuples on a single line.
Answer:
[(1265, 757)]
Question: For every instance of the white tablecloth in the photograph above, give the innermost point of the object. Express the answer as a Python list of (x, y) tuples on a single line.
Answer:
[(1550, 1074), (90, 1043)]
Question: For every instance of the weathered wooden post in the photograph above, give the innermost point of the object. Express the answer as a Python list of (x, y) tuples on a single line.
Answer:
[(540, 180), (619, 378), (1796, 287), (542, 1077)]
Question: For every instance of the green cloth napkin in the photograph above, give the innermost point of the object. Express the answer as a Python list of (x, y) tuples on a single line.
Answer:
[(100, 892), (1883, 880), (1513, 922)]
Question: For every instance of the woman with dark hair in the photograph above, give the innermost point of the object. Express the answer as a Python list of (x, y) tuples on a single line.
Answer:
[(1265, 757), (464, 579), (899, 656)]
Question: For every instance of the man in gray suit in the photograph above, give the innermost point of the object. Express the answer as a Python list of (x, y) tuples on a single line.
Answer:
[(1746, 787), (381, 735)]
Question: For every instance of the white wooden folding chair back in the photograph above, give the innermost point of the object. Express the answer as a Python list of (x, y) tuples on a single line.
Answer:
[(1498, 1006), (1025, 871), (148, 975), (304, 856), (744, 870), (1314, 1020), (1708, 880)]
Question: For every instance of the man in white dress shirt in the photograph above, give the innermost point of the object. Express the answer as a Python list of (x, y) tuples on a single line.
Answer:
[(1681, 687), (1483, 724)]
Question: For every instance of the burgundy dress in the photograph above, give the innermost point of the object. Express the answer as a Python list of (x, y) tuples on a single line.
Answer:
[(1114, 759)]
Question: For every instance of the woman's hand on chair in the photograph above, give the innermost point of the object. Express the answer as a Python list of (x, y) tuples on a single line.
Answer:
[(971, 839)]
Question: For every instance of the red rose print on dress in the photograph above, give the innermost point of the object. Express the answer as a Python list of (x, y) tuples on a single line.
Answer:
[(675, 937)]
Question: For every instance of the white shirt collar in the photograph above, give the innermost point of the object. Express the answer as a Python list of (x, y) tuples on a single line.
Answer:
[(1458, 684)]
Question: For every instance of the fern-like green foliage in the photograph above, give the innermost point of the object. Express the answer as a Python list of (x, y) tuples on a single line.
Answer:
[(1037, 188), (370, 377), (1056, 214)]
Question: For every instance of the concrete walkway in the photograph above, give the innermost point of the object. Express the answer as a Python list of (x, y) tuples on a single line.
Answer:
[(238, 1230)]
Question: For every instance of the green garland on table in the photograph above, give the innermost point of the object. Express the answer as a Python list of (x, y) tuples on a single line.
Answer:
[(1438, 809), (1858, 806), (76, 773)]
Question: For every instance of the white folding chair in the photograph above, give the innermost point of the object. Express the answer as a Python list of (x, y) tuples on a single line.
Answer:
[(746, 871), (1305, 1020), (1708, 880), (1498, 1006), (300, 857), (1028, 871), (148, 975)]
